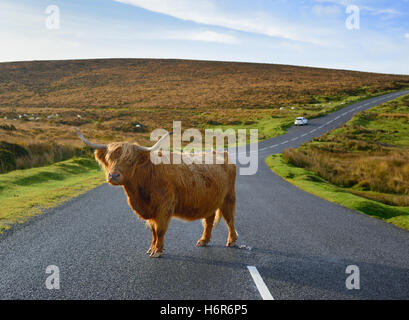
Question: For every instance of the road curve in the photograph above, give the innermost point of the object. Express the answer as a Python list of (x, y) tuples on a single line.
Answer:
[(300, 244)]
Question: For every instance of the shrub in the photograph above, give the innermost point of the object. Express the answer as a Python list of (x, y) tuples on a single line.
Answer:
[(15, 149), (7, 161), (8, 127)]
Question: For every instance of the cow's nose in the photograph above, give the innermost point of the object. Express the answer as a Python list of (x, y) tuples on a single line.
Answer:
[(113, 176)]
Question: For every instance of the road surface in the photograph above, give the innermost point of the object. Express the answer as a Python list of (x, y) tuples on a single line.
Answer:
[(299, 245)]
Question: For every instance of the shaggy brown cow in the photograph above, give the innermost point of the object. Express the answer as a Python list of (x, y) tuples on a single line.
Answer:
[(156, 193)]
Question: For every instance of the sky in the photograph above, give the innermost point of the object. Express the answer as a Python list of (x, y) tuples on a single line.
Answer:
[(318, 33)]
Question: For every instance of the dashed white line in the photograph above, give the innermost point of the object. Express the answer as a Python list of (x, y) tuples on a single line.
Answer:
[(261, 286), (312, 131)]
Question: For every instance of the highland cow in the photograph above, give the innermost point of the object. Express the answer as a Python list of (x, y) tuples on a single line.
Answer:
[(159, 192)]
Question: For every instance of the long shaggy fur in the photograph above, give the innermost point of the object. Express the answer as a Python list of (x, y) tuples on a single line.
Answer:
[(157, 193)]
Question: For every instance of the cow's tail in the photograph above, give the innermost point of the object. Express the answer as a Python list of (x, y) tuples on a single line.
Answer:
[(217, 218)]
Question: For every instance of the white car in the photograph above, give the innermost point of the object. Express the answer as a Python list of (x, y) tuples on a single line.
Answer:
[(301, 121)]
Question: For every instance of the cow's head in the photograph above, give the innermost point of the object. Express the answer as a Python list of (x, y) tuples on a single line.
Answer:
[(121, 159)]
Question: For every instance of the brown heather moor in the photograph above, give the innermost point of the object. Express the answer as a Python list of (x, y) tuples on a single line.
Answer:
[(125, 99)]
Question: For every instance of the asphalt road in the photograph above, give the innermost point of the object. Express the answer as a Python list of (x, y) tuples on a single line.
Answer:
[(300, 244)]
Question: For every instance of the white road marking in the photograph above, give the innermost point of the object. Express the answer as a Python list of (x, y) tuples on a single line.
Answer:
[(261, 286), (306, 134)]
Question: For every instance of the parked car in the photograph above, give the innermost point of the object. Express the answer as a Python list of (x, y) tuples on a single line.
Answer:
[(301, 121)]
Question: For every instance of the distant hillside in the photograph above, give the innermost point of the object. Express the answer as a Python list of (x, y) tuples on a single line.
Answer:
[(126, 98)]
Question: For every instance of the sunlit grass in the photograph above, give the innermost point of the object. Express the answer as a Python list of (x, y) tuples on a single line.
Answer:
[(309, 182), (26, 193)]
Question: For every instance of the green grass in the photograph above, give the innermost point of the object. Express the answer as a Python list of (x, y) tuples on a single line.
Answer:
[(281, 120), (309, 182), (26, 193), (387, 123)]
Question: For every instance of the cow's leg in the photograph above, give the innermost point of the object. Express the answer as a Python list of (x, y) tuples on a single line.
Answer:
[(162, 223), (152, 226), (228, 210), (207, 231)]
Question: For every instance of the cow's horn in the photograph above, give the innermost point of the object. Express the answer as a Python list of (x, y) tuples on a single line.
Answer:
[(92, 145), (157, 144)]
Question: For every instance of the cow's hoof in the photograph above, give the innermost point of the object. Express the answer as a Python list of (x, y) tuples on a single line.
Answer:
[(202, 243), (156, 254), (231, 244)]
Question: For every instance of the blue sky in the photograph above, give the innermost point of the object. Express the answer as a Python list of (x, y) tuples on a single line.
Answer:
[(309, 32)]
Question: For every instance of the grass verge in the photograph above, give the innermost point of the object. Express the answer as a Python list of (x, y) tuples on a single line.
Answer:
[(310, 182), (280, 120), (26, 193)]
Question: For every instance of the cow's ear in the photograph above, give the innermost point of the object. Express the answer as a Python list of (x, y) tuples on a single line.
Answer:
[(100, 156)]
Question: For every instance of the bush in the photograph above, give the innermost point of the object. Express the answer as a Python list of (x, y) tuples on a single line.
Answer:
[(7, 161), (15, 149), (8, 127), (14, 156)]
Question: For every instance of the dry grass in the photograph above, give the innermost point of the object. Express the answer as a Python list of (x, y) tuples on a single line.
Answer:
[(32, 155), (369, 155), (107, 97), (386, 172)]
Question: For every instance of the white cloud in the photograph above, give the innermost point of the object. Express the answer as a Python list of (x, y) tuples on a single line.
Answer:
[(207, 12), (407, 35), (320, 10), (205, 36), (389, 12)]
